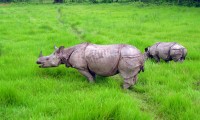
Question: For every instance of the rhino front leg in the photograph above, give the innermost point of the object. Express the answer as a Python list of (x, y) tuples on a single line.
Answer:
[(88, 75), (156, 58), (177, 58)]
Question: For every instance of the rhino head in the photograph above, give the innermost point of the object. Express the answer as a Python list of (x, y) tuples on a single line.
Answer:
[(52, 60), (147, 53)]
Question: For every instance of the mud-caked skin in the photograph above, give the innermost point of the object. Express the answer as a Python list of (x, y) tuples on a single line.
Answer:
[(167, 51), (105, 60)]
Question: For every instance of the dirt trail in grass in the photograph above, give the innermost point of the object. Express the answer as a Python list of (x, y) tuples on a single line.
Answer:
[(74, 26), (60, 16)]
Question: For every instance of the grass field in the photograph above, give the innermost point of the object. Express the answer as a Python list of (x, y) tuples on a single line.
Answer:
[(164, 91)]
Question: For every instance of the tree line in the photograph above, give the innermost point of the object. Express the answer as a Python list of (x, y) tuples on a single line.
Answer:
[(176, 2)]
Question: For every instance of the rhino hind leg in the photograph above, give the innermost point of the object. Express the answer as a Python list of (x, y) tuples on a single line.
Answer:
[(167, 61), (128, 82), (130, 76), (87, 74), (182, 58), (177, 58), (177, 55)]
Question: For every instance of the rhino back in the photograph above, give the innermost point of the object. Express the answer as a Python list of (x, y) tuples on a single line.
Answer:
[(128, 50), (185, 52), (163, 49), (177, 46), (102, 59)]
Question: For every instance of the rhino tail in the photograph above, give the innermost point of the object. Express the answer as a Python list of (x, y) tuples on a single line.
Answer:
[(142, 68), (184, 52), (142, 64)]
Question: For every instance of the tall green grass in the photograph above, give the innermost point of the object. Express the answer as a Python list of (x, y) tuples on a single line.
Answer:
[(163, 91)]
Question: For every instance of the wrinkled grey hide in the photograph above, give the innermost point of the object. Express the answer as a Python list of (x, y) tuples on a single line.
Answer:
[(105, 60), (167, 51)]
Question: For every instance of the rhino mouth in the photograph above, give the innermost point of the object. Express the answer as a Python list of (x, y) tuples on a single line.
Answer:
[(41, 65)]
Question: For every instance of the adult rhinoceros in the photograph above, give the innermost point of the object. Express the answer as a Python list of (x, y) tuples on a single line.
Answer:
[(105, 60), (167, 51)]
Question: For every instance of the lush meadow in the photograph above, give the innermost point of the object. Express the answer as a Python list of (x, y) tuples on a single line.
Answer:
[(164, 91)]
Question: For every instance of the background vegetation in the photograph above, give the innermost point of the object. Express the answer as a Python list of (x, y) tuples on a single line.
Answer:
[(164, 91), (172, 2)]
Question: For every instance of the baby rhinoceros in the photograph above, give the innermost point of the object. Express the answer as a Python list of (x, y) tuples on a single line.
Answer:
[(105, 60), (167, 51)]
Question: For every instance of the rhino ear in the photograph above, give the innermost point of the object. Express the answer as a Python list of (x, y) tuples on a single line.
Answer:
[(40, 54), (60, 49), (146, 49)]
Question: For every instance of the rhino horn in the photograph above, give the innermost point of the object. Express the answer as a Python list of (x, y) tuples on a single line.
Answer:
[(40, 54), (55, 47)]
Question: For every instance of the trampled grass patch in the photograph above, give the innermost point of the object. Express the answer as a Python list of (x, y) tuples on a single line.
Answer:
[(163, 91)]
